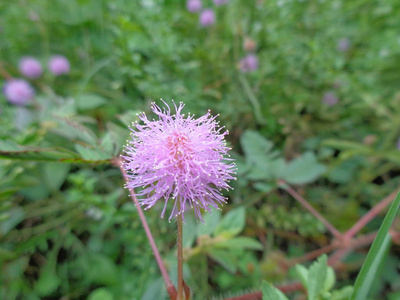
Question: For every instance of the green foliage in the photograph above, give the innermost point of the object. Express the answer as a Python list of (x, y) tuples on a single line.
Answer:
[(270, 292), (69, 230), (264, 163), (375, 254), (318, 280)]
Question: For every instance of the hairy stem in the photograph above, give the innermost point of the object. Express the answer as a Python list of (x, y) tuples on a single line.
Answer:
[(180, 257), (168, 283)]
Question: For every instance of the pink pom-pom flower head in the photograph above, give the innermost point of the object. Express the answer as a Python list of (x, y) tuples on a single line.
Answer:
[(207, 17), (249, 63), (193, 5), (30, 67), (180, 158), (59, 65), (330, 99), (18, 91), (220, 2)]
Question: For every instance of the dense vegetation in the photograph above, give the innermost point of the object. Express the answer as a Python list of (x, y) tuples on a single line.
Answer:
[(313, 115)]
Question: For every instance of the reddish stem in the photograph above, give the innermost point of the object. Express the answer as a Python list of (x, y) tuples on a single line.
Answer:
[(4, 73), (180, 256), (187, 290), (170, 287), (311, 209), (370, 215), (313, 254)]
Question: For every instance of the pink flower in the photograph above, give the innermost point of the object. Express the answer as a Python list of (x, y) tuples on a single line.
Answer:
[(249, 63), (207, 17), (59, 65), (180, 158), (30, 67), (220, 2), (18, 91), (330, 99), (344, 45), (193, 5), (398, 144)]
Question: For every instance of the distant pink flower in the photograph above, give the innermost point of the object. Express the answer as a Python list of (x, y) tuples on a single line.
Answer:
[(207, 17), (344, 45), (59, 65), (18, 91), (398, 144), (330, 98), (193, 5), (30, 67), (249, 63), (220, 2), (180, 158)]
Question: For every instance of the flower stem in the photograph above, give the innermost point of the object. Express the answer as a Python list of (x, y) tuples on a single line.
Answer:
[(180, 257), (168, 283)]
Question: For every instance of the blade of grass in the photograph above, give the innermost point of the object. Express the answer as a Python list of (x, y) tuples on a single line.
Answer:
[(375, 254)]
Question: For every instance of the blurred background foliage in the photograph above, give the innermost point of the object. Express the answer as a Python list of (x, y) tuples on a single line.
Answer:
[(68, 229)]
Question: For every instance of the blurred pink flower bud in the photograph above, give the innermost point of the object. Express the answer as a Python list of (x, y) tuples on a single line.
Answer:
[(344, 45), (30, 67), (330, 99), (18, 91), (59, 65), (193, 5), (207, 17), (249, 63), (220, 2)]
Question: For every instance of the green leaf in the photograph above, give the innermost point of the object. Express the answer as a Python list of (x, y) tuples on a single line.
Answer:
[(128, 117), (7, 255), (330, 280), (348, 145), (118, 135), (48, 280), (9, 145), (11, 218), (101, 294), (155, 290), (102, 270), (54, 174), (302, 274), (232, 223), (342, 294), (303, 169), (240, 242), (211, 220), (224, 258), (264, 187), (316, 277), (11, 150), (15, 268), (74, 129), (375, 254), (91, 153), (255, 146), (89, 101), (271, 293)]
